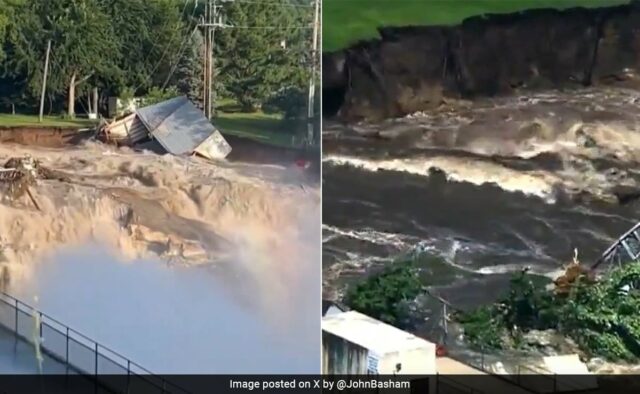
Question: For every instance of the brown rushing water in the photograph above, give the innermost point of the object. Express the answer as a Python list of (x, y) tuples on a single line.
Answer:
[(490, 186)]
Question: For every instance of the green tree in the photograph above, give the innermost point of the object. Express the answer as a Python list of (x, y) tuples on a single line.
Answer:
[(158, 95), (265, 50), (6, 18), (148, 34), (385, 295), (187, 77), (82, 44)]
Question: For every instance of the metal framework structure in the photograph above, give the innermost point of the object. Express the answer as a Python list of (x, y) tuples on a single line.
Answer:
[(79, 354), (626, 249)]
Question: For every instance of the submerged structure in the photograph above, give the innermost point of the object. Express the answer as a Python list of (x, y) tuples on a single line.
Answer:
[(175, 126), (626, 249)]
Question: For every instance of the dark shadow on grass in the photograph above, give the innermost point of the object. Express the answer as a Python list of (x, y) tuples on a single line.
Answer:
[(248, 124)]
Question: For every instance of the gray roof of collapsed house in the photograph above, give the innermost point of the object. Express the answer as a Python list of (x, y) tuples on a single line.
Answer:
[(177, 124)]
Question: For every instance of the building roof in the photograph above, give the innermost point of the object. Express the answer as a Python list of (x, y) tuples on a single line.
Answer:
[(178, 125), (327, 304), (372, 334)]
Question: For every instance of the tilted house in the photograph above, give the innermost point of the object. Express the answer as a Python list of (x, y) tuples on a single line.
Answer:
[(178, 127)]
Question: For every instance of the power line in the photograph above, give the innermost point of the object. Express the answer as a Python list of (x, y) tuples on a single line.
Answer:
[(273, 4), (194, 29), (166, 50), (180, 53), (153, 45), (267, 27)]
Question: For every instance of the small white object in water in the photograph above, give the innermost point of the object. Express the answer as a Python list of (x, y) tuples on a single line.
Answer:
[(499, 368), (37, 339)]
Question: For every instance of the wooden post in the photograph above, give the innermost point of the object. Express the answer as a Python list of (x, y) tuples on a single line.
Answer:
[(44, 81)]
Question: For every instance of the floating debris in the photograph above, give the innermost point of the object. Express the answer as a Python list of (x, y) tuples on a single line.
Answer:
[(18, 174)]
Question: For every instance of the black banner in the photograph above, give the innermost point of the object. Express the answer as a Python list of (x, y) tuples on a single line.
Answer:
[(239, 384)]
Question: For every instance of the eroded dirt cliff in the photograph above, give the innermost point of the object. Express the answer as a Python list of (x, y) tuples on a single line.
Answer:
[(410, 69)]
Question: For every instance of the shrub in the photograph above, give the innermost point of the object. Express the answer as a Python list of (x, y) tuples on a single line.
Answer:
[(602, 317), (385, 295)]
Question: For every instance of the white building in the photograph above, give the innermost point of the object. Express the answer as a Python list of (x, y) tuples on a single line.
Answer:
[(354, 343)]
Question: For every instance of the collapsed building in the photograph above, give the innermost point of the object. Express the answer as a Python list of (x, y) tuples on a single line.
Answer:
[(174, 126)]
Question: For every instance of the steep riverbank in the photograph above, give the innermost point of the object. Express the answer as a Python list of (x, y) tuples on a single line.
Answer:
[(409, 69)]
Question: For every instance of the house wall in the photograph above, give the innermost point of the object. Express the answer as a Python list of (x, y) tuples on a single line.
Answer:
[(214, 147), (420, 361), (127, 131), (341, 357)]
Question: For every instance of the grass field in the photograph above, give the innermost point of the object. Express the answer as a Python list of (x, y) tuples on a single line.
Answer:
[(261, 127), (48, 121), (347, 21), (258, 126)]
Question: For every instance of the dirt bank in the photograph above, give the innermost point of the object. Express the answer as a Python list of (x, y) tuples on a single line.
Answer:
[(244, 150), (52, 137), (409, 69)]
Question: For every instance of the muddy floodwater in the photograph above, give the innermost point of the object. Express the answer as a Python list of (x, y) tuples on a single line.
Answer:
[(488, 187), (183, 265)]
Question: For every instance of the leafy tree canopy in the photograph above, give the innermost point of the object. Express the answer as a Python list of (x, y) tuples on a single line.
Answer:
[(266, 50), (385, 295), (139, 45), (602, 317)]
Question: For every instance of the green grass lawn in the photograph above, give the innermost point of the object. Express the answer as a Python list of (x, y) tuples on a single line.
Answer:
[(48, 121), (347, 21), (258, 126)]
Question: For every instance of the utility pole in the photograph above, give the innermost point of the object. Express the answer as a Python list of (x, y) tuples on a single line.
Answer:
[(212, 30), (44, 81), (211, 21), (312, 79), (207, 58)]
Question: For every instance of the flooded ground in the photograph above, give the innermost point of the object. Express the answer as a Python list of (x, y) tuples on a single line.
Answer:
[(183, 265), (489, 187)]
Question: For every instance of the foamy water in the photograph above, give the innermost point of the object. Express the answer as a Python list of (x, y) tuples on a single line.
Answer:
[(461, 170), (253, 229), (491, 186)]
